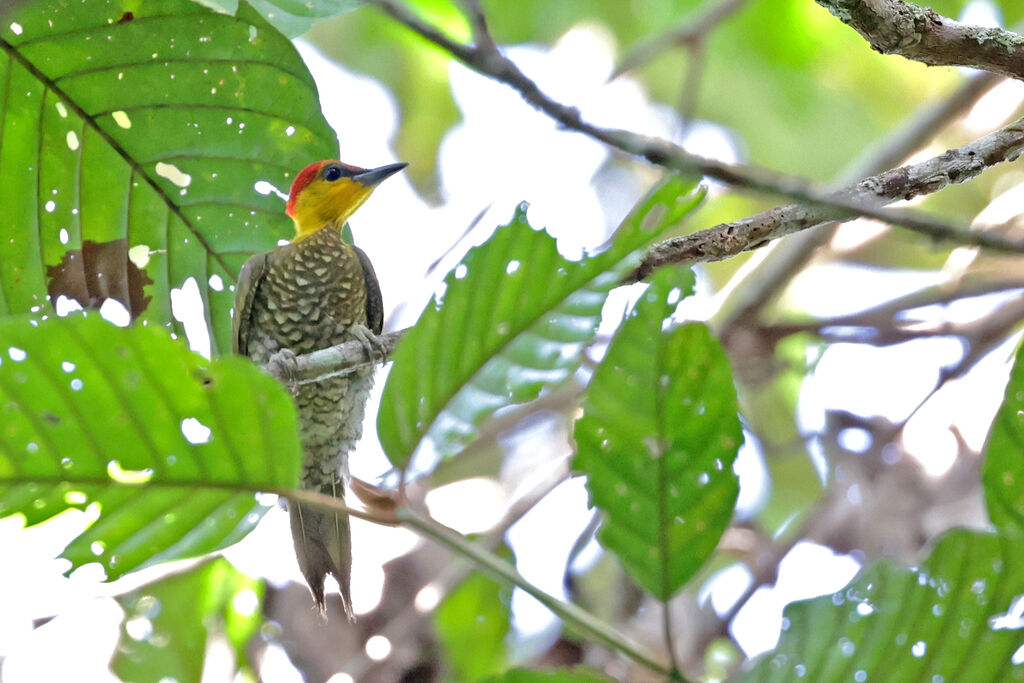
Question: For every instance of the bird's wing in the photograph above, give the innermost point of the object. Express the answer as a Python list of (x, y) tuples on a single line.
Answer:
[(374, 300), (248, 282)]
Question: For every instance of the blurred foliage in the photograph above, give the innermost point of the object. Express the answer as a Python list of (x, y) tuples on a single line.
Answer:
[(578, 675), (170, 624), (473, 622)]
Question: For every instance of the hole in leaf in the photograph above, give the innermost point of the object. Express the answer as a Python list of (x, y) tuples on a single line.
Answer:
[(187, 307), (173, 173), (95, 273), (75, 498), (195, 431), (132, 477)]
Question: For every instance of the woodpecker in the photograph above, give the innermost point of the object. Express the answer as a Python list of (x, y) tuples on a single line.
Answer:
[(315, 292)]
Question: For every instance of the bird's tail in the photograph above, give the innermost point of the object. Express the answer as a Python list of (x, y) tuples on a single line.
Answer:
[(323, 545)]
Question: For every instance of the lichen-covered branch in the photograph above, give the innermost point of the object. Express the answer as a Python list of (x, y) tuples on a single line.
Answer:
[(923, 35), (339, 359), (905, 182)]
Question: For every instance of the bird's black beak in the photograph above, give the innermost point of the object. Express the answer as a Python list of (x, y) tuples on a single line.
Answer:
[(373, 176)]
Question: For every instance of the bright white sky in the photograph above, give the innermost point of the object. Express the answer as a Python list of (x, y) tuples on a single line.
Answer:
[(578, 200)]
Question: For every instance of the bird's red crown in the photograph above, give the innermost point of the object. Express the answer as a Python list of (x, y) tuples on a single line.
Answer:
[(305, 177)]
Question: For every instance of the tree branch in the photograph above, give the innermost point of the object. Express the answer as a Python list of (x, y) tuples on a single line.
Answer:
[(340, 359), (485, 58), (920, 34), (954, 166)]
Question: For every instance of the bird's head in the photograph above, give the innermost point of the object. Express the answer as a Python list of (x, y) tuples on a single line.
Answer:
[(328, 192)]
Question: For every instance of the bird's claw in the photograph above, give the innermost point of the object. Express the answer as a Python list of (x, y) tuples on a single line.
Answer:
[(370, 342), (284, 366)]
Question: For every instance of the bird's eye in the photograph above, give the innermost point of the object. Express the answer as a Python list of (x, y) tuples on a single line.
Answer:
[(333, 172)]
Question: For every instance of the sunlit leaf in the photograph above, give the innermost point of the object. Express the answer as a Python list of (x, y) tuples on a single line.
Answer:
[(168, 446), (1003, 469), (513, 320), (168, 624), (658, 439), (472, 623), (148, 125), (957, 617)]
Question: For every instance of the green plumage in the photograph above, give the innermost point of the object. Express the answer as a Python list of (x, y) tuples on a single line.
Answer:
[(303, 297)]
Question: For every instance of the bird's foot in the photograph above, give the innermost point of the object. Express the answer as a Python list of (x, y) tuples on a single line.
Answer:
[(371, 343), (284, 366)]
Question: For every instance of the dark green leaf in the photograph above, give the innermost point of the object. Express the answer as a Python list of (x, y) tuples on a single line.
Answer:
[(167, 624), (514, 319), (95, 414), (472, 623), (144, 128), (955, 618), (658, 439), (1003, 471)]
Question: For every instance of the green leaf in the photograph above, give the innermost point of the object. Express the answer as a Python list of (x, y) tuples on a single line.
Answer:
[(167, 624), (954, 618), (658, 440), (472, 623), (95, 414), (512, 322), (575, 675), (140, 130), (1003, 470)]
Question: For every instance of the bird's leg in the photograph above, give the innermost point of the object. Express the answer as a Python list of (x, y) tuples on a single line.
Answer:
[(284, 366), (371, 343)]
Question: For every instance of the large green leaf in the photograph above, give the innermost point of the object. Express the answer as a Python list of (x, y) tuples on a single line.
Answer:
[(168, 624), (1003, 470), (957, 617), (513, 320), (472, 624), (143, 128), (658, 439), (118, 417)]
